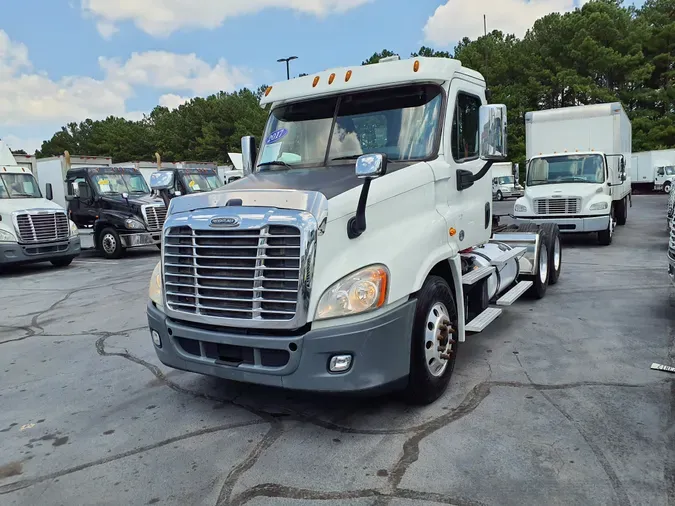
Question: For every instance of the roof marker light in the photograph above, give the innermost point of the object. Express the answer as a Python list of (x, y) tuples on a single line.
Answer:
[(416, 65), (331, 79), (316, 81), (348, 76), (268, 90)]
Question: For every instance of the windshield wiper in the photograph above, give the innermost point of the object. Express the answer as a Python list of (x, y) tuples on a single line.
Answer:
[(350, 157), (22, 195), (278, 162)]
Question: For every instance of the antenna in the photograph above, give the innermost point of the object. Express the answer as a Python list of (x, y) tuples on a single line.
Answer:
[(485, 42)]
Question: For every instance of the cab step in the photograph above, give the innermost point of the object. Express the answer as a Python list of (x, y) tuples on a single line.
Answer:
[(508, 255), (514, 293), (474, 276), (480, 322)]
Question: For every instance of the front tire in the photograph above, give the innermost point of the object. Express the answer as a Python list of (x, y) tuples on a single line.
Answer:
[(110, 243), (666, 187), (62, 262), (605, 236), (622, 211), (433, 342), (500, 197)]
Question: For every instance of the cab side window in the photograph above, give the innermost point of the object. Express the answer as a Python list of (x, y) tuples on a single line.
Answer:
[(73, 186), (465, 127)]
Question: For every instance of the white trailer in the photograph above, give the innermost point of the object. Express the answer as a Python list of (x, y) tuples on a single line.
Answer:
[(28, 161), (53, 171), (368, 271), (576, 169), (655, 168)]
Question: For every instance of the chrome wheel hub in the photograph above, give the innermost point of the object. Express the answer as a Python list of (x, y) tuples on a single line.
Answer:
[(543, 264), (556, 254), (438, 339), (109, 243)]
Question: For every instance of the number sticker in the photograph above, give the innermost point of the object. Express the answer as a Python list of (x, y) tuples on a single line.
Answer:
[(276, 136)]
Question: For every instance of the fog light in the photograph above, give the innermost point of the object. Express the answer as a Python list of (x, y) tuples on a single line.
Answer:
[(156, 339), (340, 363)]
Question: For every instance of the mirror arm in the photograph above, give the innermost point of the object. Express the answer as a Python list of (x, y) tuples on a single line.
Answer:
[(466, 178), (357, 224)]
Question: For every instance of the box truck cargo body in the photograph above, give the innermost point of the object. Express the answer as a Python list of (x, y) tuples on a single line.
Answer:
[(53, 170)]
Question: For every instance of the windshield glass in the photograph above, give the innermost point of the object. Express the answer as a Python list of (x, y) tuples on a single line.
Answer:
[(566, 169), (505, 180), (19, 186), (120, 183), (399, 122), (670, 170), (201, 182)]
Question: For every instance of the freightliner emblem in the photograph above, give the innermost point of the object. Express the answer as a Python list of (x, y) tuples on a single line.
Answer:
[(228, 221)]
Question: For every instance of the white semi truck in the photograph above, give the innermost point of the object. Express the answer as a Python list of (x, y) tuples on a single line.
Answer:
[(32, 227), (505, 183), (576, 169), (359, 250)]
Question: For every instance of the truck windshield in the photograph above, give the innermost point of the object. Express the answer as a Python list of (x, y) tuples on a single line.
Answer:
[(505, 180), (400, 122), (19, 186), (566, 169), (201, 182), (120, 183)]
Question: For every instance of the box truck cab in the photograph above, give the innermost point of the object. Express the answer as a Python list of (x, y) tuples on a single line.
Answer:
[(664, 176), (32, 227), (359, 250), (504, 182), (576, 169)]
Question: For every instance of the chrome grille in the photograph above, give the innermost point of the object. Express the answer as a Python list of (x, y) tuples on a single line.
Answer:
[(43, 226), (569, 205), (154, 215), (251, 274), (671, 239)]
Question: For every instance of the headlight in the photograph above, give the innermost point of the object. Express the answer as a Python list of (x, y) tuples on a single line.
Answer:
[(361, 291), (155, 290), (599, 206), (73, 228), (134, 224), (519, 208), (7, 236)]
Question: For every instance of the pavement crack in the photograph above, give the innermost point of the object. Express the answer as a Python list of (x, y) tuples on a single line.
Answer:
[(21, 484)]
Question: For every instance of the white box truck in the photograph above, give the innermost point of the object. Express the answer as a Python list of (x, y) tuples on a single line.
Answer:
[(505, 182), (654, 168), (358, 252), (32, 227), (52, 170), (576, 169), (28, 161)]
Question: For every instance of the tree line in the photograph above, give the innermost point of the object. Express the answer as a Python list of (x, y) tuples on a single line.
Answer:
[(606, 51)]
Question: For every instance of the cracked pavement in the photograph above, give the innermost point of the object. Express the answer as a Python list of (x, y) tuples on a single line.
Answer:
[(553, 404)]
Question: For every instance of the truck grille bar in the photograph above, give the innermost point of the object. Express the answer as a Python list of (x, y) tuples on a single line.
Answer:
[(569, 205), (42, 226), (251, 274), (154, 215), (671, 240)]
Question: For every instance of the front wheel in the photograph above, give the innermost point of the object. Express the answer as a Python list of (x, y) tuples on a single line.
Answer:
[(433, 343), (110, 243), (500, 197), (666, 187), (605, 236), (62, 262)]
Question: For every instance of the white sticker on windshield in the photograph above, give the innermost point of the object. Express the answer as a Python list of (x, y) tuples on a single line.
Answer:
[(271, 153)]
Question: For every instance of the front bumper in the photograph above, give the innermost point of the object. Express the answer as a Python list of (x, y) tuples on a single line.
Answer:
[(509, 193), (15, 253), (568, 224), (142, 239), (380, 350)]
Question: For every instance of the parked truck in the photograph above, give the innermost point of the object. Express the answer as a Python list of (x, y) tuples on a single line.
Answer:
[(359, 251), (27, 161), (654, 170), (576, 169), (505, 182), (33, 228)]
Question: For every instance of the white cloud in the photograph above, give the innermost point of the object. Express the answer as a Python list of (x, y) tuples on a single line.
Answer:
[(163, 17), (28, 144), (464, 18), (172, 101), (29, 98)]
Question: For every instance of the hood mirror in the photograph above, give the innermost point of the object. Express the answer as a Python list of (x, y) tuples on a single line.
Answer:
[(162, 180)]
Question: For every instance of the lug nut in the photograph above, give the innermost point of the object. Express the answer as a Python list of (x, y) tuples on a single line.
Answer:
[(445, 356)]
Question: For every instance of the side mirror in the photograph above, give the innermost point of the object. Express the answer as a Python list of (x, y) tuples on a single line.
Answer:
[(371, 166), (49, 192), (162, 180), (623, 177), (125, 195), (492, 130), (368, 167), (178, 193), (248, 154)]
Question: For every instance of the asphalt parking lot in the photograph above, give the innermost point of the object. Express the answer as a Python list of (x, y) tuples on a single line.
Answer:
[(555, 403)]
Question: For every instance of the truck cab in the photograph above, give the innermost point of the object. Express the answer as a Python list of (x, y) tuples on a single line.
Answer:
[(359, 251), (664, 176), (117, 203), (32, 227)]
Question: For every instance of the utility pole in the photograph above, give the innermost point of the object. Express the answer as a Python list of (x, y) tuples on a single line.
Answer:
[(288, 66)]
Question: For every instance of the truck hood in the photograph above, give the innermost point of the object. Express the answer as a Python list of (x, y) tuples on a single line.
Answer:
[(582, 190), (8, 206), (138, 200)]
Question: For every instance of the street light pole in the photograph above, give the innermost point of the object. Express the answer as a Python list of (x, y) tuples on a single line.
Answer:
[(288, 66)]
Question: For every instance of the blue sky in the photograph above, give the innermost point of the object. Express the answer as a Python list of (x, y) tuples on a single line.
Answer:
[(65, 60)]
